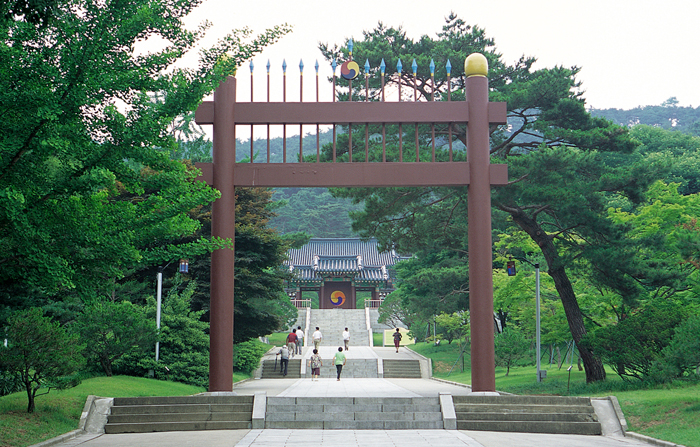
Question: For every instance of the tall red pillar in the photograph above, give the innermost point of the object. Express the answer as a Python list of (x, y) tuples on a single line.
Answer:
[(479, 220), (223, 225)]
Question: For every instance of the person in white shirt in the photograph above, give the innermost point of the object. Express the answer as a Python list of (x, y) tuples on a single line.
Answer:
[(346, 338), (317, 337), (300, 339)]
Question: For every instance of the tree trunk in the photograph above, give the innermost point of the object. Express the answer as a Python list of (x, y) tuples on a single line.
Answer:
[(30, 398), (106, 366), (592, 364)]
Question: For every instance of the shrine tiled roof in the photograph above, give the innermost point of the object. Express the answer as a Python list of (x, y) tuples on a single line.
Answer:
[(341, 256)]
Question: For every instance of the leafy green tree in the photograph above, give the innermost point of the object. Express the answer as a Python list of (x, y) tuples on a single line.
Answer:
[(454, 326), (40, 351), (114, 329), (556, 152), (85, 198), (511, 347)]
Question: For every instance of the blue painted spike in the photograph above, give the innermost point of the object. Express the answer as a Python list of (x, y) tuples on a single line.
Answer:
[(268, 66), (399, 66), (367, 67), (316, 66), (432, 67), (251, 65), (350, 45), (301, 66), (448, 67), (414, 66), (334, 64), (284, 66), (382, 66)]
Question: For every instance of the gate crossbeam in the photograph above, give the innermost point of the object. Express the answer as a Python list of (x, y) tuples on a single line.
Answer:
[(347, 112), (362, 174)]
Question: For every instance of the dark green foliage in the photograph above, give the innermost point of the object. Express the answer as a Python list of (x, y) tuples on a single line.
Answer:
[(184, 342), (40, 351), (681, 151), (247, 355), (633, 345), (682, 355), (433, 284), (10, 382), (312, 211), (112, 330)]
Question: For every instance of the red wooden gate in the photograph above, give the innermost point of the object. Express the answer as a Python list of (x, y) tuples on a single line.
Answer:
[(225, 113)]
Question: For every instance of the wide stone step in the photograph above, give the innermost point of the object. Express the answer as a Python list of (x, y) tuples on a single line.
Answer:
[(523, 399), (354, 368), (573, 428), (398, 369), (356, 425), (527, 414), (179, 417), (175, 413), (175, 426), (270, 372), (548, 417), (180, 400), (504, 408), (353, 413), (182, 408)]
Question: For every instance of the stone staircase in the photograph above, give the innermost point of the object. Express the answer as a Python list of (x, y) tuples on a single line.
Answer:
[(527, 414), (293, 370), (401, 369), (354, 413), (353, 369), (179, 413), (333, 321)]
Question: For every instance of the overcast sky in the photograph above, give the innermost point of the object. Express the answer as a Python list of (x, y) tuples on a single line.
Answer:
[(631, 53)]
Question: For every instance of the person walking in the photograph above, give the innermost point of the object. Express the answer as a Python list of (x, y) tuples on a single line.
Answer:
[(397, 339), (292, 342), (284, 360), (317, 337), (316, 363), (300, 339), (346, 338), (339, 361)]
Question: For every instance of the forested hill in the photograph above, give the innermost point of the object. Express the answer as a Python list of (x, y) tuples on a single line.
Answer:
[(666, 116)]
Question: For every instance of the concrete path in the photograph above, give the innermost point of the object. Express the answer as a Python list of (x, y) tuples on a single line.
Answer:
[(340, 438)]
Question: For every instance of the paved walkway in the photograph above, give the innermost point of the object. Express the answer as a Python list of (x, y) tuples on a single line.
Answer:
[(341, 438)]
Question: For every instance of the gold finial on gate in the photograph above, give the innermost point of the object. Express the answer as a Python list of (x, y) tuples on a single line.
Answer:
[(476, 65)]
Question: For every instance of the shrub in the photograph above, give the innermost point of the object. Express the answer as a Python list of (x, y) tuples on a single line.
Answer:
[(246, 355), (634, 344), (10, 382), (682, 355)]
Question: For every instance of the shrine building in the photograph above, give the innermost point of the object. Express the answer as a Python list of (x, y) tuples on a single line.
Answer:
[(338, 268)]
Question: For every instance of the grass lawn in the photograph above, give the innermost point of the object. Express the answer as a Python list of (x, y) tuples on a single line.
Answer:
[(59, 411), (670, 412), (278, 338), (377, 338)]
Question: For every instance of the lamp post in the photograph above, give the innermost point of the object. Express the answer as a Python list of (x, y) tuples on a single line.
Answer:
[(537, 319), (184, 268), (510, 269)]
